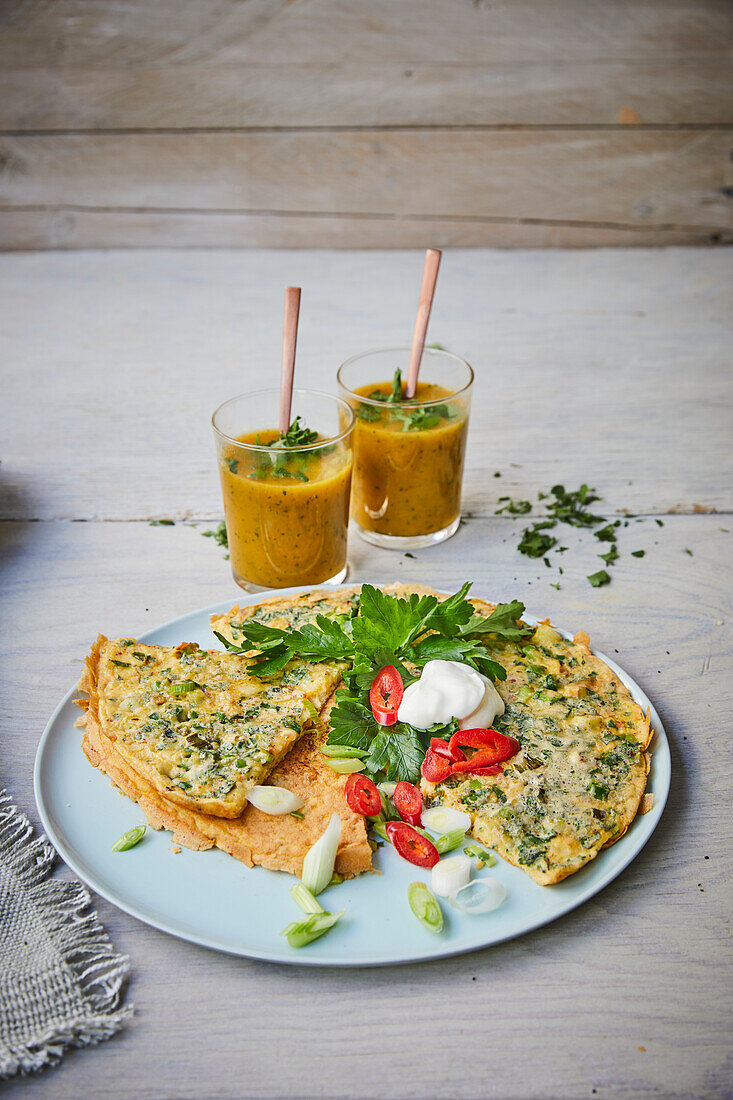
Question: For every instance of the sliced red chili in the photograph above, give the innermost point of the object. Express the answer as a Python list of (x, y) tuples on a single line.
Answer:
[(385, 695), (362, 795), (444, 749), (493, 769), (411, 845), (408, 802), (493, 748), (435, 768)]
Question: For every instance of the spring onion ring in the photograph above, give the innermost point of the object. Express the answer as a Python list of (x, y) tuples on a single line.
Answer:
[(275, 800), (444, 819), (450, 875), (425, 906), (480, 896)]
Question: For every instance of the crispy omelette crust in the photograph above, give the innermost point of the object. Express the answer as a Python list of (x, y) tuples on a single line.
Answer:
[(577, 782), (276, 842), (195, 723)]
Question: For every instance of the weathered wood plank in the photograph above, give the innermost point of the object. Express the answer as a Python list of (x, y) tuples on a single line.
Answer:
[(68, 227), (626, 176), (654, 938), (695, 90), (119, 33), (606, 367)]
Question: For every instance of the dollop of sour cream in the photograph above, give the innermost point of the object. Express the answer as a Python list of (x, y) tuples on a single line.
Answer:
[(447, 690)]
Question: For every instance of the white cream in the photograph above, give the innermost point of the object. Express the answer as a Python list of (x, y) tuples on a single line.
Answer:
[(447, 690)]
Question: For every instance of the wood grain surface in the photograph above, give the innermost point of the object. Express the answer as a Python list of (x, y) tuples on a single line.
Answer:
[(610, 367), (331, 123)]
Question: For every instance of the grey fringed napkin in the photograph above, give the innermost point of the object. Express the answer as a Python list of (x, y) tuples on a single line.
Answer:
[(60, 979)]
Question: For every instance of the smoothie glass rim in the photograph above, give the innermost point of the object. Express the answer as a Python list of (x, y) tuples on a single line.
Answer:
[(274, 390), (411, 402)]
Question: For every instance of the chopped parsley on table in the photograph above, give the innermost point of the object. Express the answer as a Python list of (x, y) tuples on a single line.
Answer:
[(219, 535), (572, 508), (385, 630)]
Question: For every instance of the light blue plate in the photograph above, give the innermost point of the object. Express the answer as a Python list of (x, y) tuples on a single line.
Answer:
[(211, 899)]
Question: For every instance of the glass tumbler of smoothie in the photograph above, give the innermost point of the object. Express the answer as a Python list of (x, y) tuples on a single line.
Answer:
[(286, 500), (408, 453)]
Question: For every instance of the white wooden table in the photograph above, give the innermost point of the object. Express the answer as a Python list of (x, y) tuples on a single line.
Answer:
[(606, 367)]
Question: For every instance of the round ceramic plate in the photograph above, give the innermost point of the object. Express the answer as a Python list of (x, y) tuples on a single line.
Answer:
[(211, 899)]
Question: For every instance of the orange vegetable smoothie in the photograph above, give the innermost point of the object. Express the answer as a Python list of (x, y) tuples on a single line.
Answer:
[(286, 510), (408, 461)]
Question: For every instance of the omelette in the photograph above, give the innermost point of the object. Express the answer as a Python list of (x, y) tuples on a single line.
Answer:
[(576, 784), (198, 724), (187, 732)]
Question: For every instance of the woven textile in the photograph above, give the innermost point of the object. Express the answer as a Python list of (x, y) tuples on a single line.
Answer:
[(61, 982)]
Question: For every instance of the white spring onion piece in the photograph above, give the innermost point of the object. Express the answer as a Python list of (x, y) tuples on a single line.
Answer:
[(450, 875), (480, 896), (444, 819), (387, 788), (319, 861), (275, 800)]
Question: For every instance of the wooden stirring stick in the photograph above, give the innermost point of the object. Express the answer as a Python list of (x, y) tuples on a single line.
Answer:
[(427, 290), (290, 337)]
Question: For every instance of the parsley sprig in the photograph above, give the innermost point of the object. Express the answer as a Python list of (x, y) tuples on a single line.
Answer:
[(385, 630), (285, 460), (297, 435), (412, 419)]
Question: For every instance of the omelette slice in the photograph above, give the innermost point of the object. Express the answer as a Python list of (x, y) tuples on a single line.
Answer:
[(197, 724), (280, 842), (576, 784)]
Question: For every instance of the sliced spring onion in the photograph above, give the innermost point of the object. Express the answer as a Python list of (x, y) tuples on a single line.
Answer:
[(450, 875), (318, 865), (275, 800), (425, 906), (387, 788), (302, 932), (477, 851), (297, 815), (388, 811), (314, 717), (345, 766), (444, 819), (480, 896), (343, 751), (129, 839), (448, 841), (184, 687), (302, 896)]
